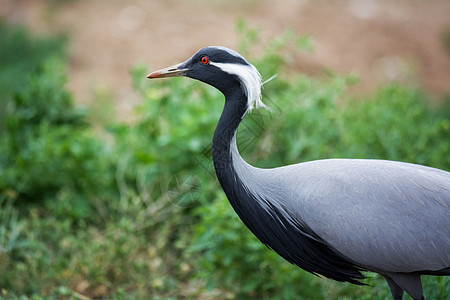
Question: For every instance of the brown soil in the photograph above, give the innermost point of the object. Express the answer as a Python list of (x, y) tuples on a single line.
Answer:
[(380, 40)]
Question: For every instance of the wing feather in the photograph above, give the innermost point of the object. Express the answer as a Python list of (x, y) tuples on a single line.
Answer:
[(383, 215)]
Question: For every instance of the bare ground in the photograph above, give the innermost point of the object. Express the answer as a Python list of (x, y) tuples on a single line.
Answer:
[(380, 40)]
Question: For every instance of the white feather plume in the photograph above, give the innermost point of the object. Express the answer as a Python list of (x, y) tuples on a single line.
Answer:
[(250, 79)]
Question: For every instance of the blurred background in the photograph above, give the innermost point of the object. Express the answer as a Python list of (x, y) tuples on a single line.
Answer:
[(107, 189), (381, 41)]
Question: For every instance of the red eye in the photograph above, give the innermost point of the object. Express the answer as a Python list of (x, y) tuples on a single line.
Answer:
[(204, 60)]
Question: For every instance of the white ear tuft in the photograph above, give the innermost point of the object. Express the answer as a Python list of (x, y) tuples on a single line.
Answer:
[(252, 85), (250, 80)]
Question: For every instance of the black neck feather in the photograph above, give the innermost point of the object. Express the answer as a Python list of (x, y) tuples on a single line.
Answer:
[(232, 114), (293, 241)]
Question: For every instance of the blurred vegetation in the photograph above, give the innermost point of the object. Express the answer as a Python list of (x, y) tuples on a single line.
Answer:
[(135, 211), (19, 57)]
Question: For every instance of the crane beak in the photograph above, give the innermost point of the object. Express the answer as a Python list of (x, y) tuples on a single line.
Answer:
[(173, 71)]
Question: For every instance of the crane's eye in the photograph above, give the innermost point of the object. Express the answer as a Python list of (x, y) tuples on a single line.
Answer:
[(204, 60)]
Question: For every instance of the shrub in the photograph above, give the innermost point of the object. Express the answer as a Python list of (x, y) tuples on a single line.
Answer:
[(47, 149)]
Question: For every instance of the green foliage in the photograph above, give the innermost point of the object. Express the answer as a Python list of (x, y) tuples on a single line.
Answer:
[(394, 124), (47, 150), (21, 54), (397, 124), (136, 212), (158, 142), (10, 231)]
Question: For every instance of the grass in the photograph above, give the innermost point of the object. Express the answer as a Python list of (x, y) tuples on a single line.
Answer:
[(135, 211)]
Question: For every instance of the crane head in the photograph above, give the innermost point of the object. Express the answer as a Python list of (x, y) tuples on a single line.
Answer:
[(222, 68)]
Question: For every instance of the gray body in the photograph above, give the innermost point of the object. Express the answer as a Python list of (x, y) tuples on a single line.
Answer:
[(385, 215), (389, 217)]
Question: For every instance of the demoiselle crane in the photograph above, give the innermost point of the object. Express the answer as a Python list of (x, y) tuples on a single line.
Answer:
[(333, 217)]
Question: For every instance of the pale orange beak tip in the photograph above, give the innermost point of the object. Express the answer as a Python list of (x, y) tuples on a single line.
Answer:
[(155, 74), (173, 71)]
